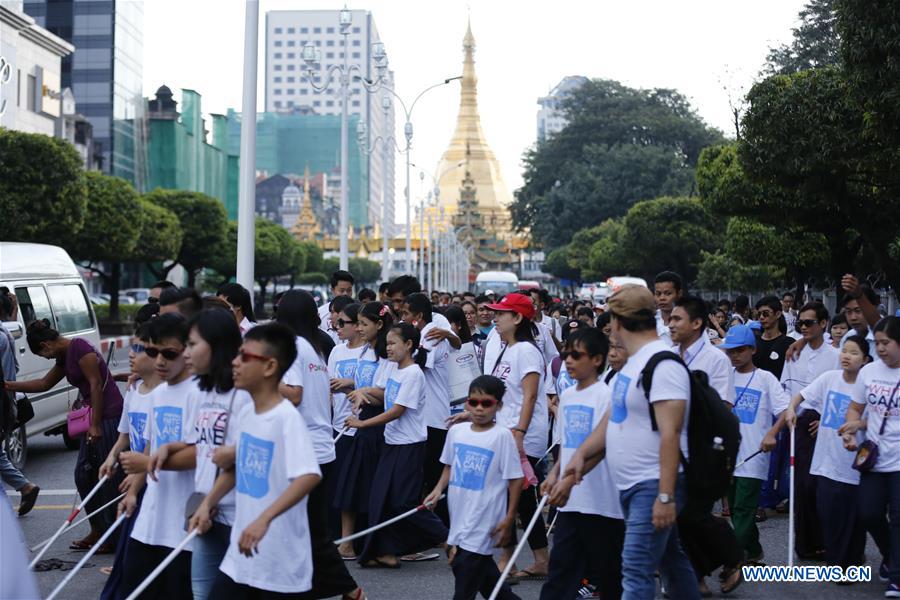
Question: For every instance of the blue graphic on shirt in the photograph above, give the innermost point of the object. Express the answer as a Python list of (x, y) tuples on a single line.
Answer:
[(390, 393), (577, 424), (168, 424), (619, 395), (137, 423), (470, 466), (365, 373), (747, 404), (346, 369), (564, 381), (836, 405), (254, 461)]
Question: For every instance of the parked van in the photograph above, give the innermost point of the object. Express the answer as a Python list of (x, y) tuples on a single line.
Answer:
[(47, 285)]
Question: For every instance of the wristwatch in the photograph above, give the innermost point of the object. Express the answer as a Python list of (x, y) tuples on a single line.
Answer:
[(665, 499), (520, 430)]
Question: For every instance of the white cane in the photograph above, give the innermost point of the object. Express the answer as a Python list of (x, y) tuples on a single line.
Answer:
[(390, 521), (89, 554), (552, 523), (546, 454), (748, 459), (165, 563), (791, 504), (341, 434), (512, 559), (69, 520), (79, 521)]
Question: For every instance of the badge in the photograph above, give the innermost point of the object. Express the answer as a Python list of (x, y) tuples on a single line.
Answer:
[(774, 355)]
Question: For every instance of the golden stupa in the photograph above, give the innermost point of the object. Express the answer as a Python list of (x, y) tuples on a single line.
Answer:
[(469, 147)]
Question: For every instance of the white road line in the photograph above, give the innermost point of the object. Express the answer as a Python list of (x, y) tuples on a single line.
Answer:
[(47, 492)]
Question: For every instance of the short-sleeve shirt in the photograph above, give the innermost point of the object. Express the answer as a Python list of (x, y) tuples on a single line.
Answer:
[(405, 387), (759, 398), (703, 356), (799, 373), (135, 416), (112, 398), (632, 446), (481, 465), (517, 361), (342, 365), (437, 380), (830, 395), (273, 449), (310, 372), (881, 396), (770, 354)]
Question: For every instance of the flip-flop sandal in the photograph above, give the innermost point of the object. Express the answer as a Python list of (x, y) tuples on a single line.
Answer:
[(420, 556), (106, 570), (28, 501), (529, 576), (378, 564), (80, 546), (349, 557), (727, 589)]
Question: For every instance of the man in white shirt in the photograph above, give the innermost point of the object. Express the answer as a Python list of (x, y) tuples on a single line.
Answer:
[(541, 298), (341, 285), (645, 460), (667, 289)]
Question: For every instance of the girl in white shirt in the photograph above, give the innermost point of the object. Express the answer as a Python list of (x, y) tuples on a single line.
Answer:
[(398, 479)]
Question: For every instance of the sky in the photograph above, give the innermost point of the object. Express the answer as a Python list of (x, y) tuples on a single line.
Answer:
[(709, 50)]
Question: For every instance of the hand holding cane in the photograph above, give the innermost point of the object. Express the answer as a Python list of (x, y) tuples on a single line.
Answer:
[(87, 556)]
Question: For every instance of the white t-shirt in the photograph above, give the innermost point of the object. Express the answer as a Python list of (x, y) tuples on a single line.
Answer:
[(493, 345), (632, 447), (798, 374), (405, 387), (758, 398), (310, 372), (342, 365), (325, 322), (161, 519), (367, 368), (662, 329), (517, 361), (135, 410), (553, 326), (211, 419), (557, 385), (880, 394), (481, 465), (437, 380), (870, 337), (545, 342), (830, 395), (273, 449), (580, 411), (703, 356)]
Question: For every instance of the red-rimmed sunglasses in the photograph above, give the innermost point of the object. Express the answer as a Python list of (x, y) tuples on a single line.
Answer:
[(486, 403), (248, 356)]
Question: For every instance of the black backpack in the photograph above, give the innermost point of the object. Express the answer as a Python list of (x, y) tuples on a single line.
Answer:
[(714, 434)]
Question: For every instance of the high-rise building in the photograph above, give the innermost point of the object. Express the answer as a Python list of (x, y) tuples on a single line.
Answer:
[(288, 90), (550, 119), (105, 73)]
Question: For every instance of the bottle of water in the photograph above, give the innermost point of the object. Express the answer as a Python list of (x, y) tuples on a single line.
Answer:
[(718, 444)]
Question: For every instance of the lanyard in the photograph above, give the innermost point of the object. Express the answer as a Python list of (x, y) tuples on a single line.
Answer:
[(741, 395), (696, 354), (887, 410)]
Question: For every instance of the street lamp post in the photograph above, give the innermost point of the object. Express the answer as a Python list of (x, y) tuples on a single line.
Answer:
[(423, 269), (312, 56), (246, 237)]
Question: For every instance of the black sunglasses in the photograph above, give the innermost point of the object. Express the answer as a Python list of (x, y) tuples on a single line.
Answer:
[(805, 323), (152, 300), (575, 354), (486, 403), (342, 323), (167, 353)]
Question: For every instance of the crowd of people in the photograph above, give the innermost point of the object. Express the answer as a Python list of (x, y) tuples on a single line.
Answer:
[(270, 437)]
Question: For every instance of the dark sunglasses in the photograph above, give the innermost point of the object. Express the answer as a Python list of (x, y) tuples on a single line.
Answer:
[(575, 354), (152, 300), (248, 356), (766, 314), (137, 348), (343, 323), (167, 354), (486, 403), (805, 323)]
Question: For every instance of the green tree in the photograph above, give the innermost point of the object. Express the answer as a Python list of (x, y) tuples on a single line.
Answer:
[(608, 254), (112, 226), (718, 271), (204, 224), (160, 236), (815, 41), (314, 257), (364, 270), (43, 194), (274, 254), (557, 264)]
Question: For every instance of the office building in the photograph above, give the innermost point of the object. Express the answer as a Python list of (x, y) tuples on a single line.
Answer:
[(550, 119)]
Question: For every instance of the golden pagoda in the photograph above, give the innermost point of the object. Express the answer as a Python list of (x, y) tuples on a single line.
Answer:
[(470, 147), (306, 227)]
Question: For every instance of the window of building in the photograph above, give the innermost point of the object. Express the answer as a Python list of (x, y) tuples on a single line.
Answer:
[(330, 92), (319, 43), (290, 104), (277, 80), (304, 30), (278, 104), (342, 55), (356, 55), (291, 67), (304, 92), (356, 42), (329, 43), (329, 30), (290, 79), (329, 103), (29, 93), (291, 55), (356, 103), (356, 30), (317, 30), (291, 43), (278, 30), (290, 30), (356, 91), (276, 55), (278, 43), (317, 103), (278, 92), (290, 92), (277, 67), (329, 55)]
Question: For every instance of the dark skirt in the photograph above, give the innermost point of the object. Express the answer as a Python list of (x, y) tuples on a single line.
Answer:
[(397, 489), (356, 472), (87, 467)]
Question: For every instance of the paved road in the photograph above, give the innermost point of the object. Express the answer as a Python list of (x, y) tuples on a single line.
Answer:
[(50, 465)]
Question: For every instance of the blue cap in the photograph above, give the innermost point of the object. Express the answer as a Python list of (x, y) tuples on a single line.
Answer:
[(738, 337), (897, 313), (755, 325)]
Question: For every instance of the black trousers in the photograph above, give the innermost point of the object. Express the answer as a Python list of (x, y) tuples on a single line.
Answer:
[(842, 531), (477, 573), (808, 533), (585, 547), (434, 447), (537, 539), (87, 467), (879, 510), (174, 583), (226, 587), (708, 540), (330, 575)]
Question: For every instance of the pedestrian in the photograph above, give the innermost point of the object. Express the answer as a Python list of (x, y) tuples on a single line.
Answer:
[(838, 329), (471, 312), (591, 510), (773, 343), (83, 367), (758, 399), (307, 386), (879, 486), (274, 473), (366, 295), (398, 479), (341, 285), (482, 469), (667, 289), (159, 526), (541, 299), (644, 460), (789, 312), (240, 303), (741, 314), (836, 482), (183, 301)]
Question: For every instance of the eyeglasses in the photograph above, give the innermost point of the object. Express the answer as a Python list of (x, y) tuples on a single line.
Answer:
[(167, 353), (575, 354), (486, 403), (765, 314), (137, 348), (805, 323), (343, 323), (248, 356)]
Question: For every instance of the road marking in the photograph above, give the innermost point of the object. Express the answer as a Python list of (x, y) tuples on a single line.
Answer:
[(44, 492), (50, 507)]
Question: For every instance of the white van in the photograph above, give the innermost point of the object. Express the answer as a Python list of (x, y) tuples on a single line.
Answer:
[(47, 285), (498, 282)]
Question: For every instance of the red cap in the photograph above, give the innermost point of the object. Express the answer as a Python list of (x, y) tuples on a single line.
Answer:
[(516, 303)]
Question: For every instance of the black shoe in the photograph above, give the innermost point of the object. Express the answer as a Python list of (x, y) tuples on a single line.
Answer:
[(28, 501)]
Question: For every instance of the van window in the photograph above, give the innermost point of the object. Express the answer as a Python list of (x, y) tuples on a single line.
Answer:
[(33, 304), (71, 308)]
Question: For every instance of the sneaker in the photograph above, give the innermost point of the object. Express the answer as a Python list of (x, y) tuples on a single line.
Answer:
[(586, 591), (892, 591), (884, 574)]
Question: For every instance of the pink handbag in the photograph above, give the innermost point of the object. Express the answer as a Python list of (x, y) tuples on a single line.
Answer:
[(78, 420)]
